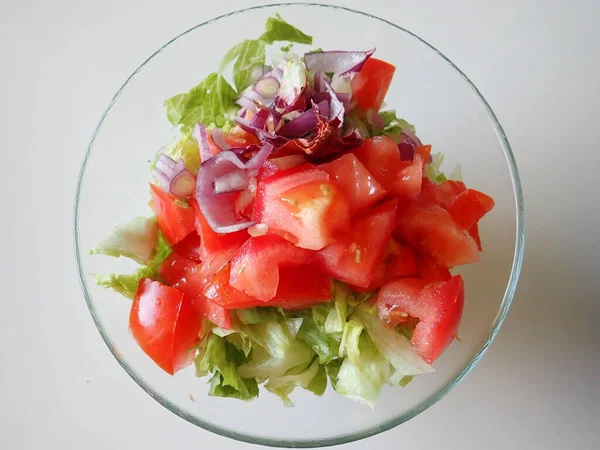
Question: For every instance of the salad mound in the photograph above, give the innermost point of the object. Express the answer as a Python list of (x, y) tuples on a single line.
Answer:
[(302, 233)]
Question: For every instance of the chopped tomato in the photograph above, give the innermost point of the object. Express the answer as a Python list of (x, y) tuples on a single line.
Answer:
[(175, 217), (255, 266), (442, 193), (303, 206), (474, 232), (173, 269), (299, 287), (424, 151), (377, 280), (370, 85), (381, 157), (402, 265), (393, 295), (215, 249), (165, 324), (438, 306), (189, 246), (355, 256), (468, 207), (353, 178), (430, 271), (431, 229)]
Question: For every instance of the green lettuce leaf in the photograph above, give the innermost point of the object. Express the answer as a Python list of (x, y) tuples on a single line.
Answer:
[(277, 29), (185, 148), (393, 125), (318, 384), (362, 378), (136, 240), (314, 334), (221, 358), (264, 366), (349, 347), (126, 284), (332, 369), (253, 316), (212, 103), (394, 346), (249, 55), (283, 385), (432, 169)]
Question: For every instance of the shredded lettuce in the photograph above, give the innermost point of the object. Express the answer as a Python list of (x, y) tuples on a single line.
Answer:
[(349, 347), (283, 385), (136, 240), (253, 316), (249, 56), (362, 378), (393, 126), (277, 29), (221, 358), (394, 346), (126, 284), (263, 366), (212, 103), (322, 343), (432, 169)]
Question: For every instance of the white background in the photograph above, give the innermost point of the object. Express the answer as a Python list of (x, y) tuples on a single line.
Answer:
[(537, 63)]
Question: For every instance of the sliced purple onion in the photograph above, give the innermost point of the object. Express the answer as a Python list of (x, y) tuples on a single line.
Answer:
[(267, 87), (218, 178), (407, 151), (199, 133), (341, 62), (219, 209), (301, 125), (375, 119), (246, 103), (173, 177), (407, 135), (231, 182), (218, 138)]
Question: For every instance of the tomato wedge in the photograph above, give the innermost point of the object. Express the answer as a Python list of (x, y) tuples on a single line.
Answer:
[(381, 157), (299, 287), (174, 268), (468, 207), (370, 85), (353, 178), (474, 232), (442, 193), (175, 219), (189, 246), (302, 206), (355, 257), (431, 229), (165, 324), (215, 249), (438, 306), (255, 267)]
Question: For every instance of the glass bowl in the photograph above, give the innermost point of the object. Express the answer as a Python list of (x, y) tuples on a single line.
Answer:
[(428, 90)]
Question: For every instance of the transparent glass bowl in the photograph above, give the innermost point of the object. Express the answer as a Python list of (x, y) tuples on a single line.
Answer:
[(428, 90)]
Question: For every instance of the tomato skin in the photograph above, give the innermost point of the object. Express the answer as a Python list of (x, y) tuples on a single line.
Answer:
[(438, 306), (355, 256), (303, 206), (299, 287), (353, 178), (424, 151), (468, 207), (175, 221), (165, 324), (381, 157), (431, 229), (255, 266), (430, 271), (402, 265), (370, 85)]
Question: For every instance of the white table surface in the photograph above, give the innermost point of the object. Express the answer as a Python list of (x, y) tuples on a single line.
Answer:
[(538, 64)]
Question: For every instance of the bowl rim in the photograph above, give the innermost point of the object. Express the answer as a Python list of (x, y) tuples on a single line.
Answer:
[(390, 423)]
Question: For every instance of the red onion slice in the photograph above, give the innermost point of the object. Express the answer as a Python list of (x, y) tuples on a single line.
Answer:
[(231, 182), (341, 62), (218, 138), (183, 184), (173, 177), (218, 177), (267, 87), (407, 135), (199, 133)]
